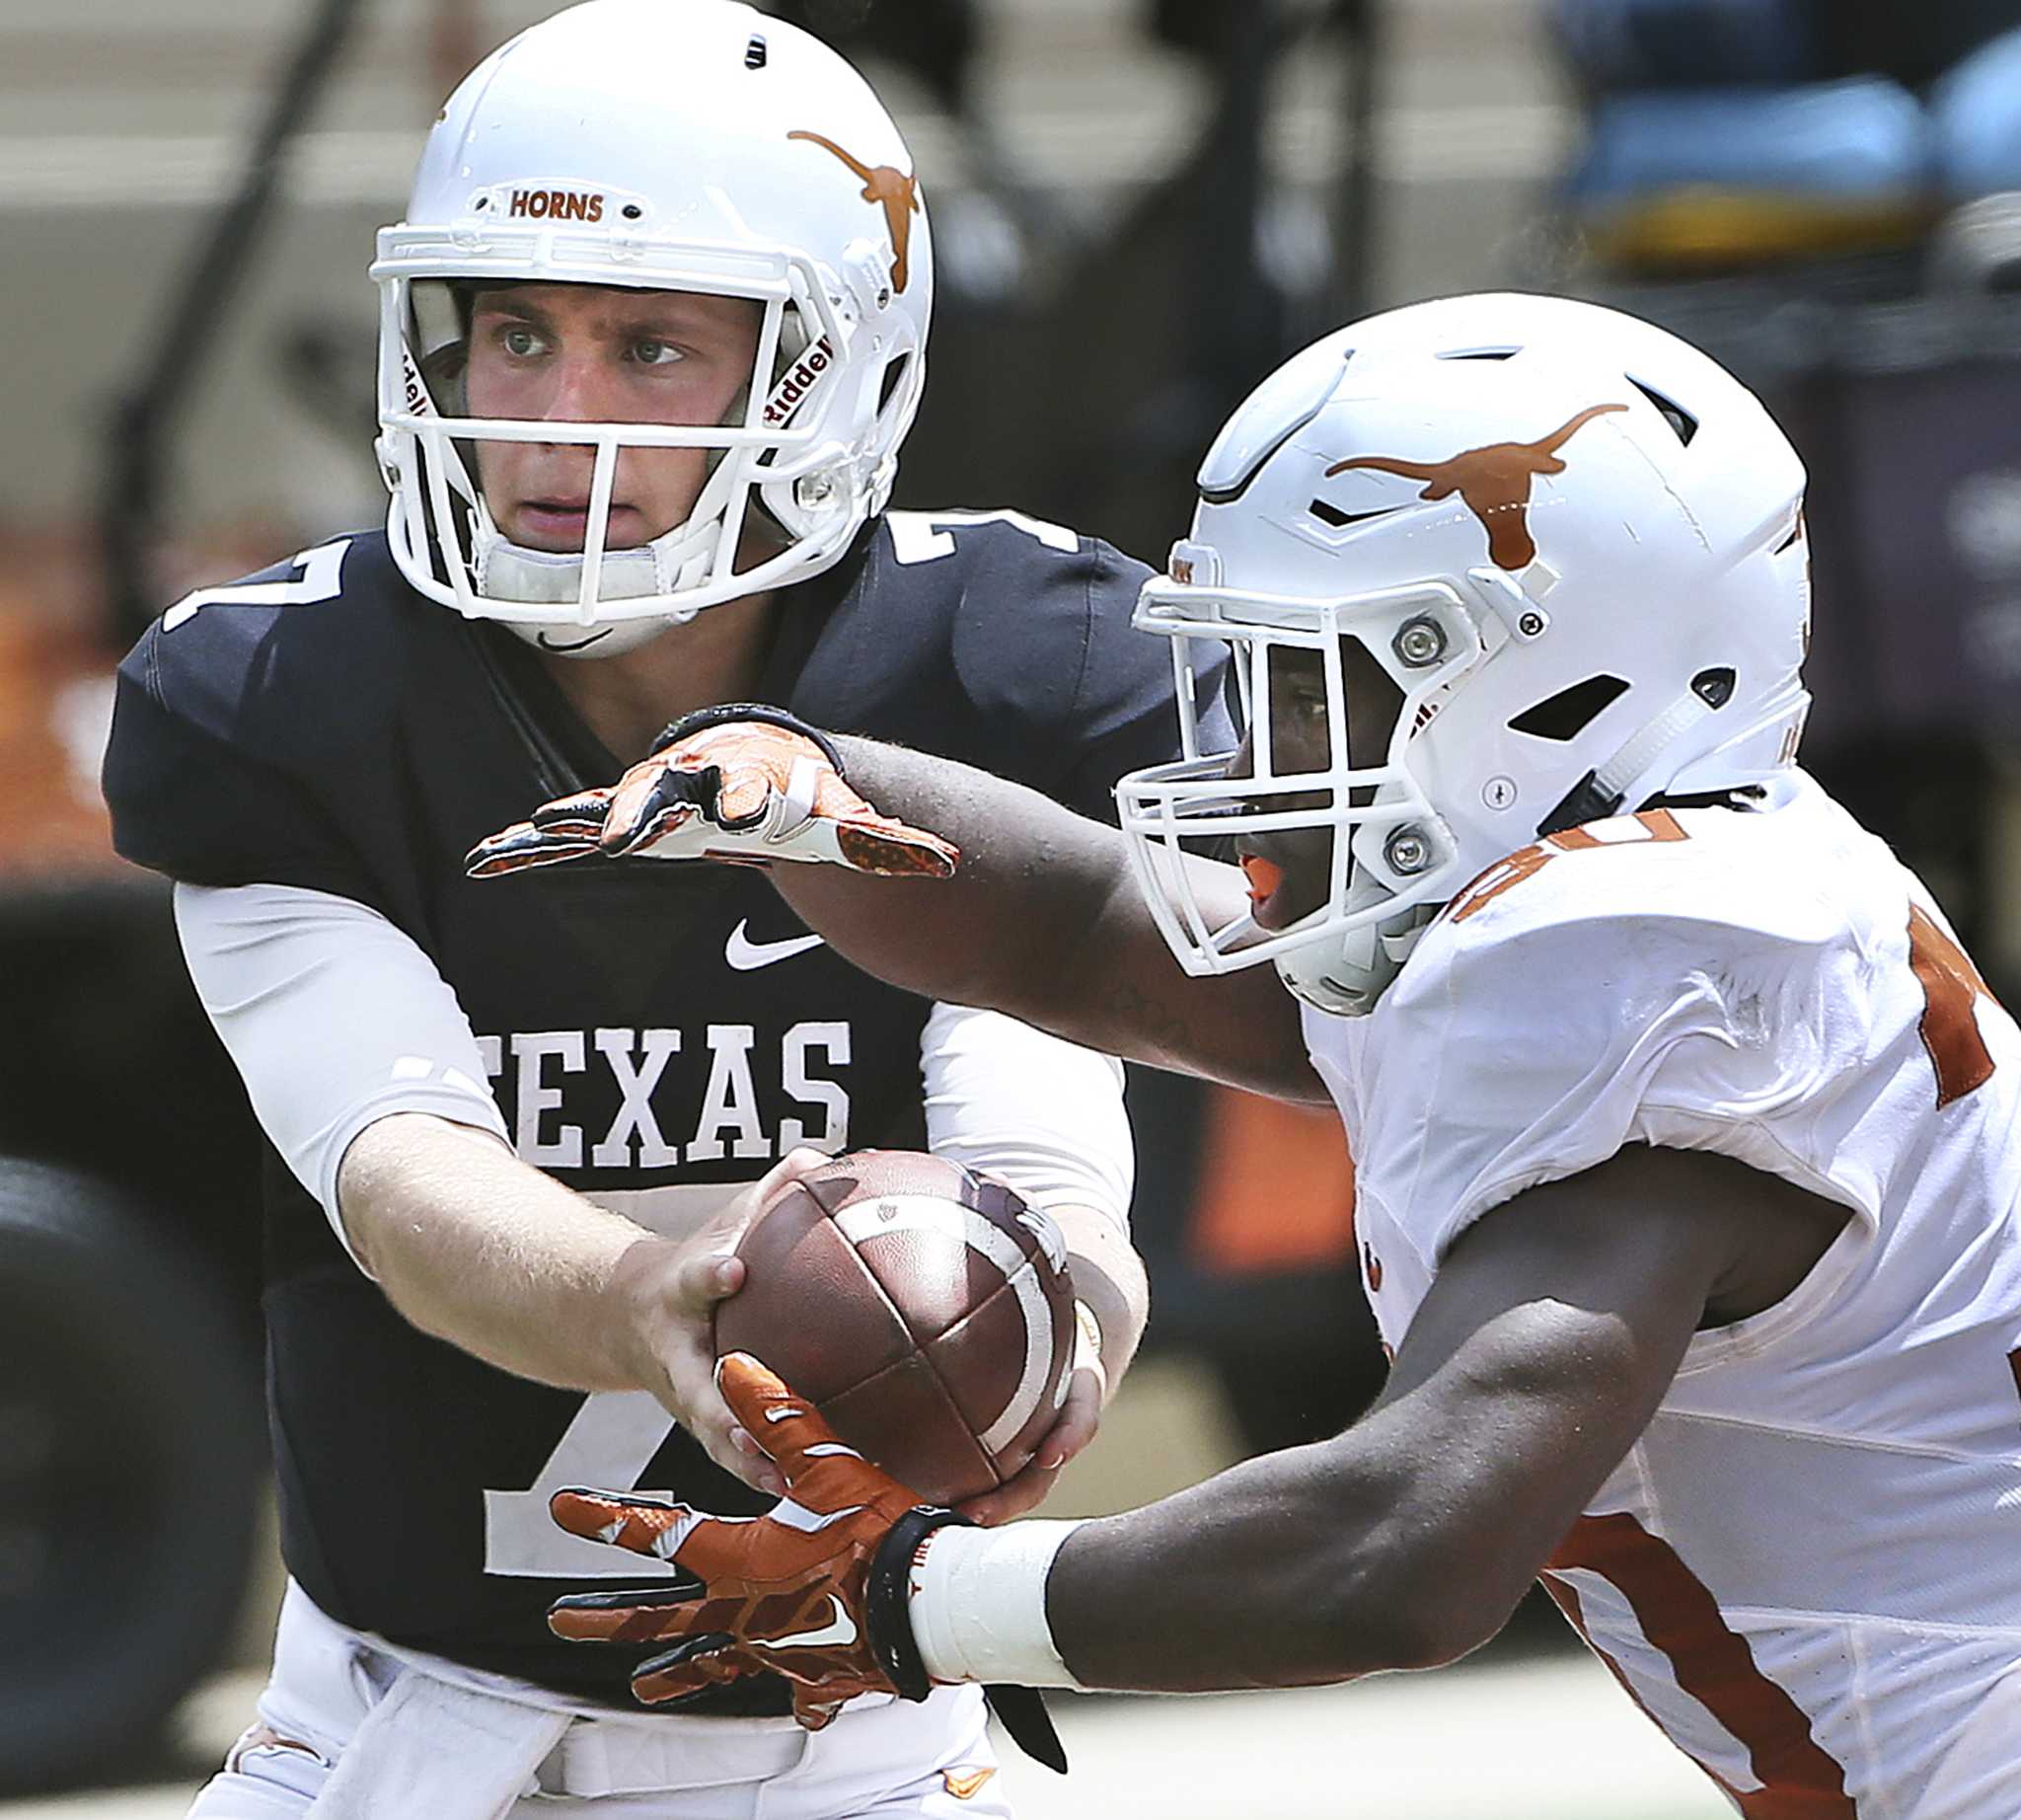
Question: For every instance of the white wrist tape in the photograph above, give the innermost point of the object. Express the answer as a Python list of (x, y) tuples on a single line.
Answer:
[(1087, 1346), (978, 1605)]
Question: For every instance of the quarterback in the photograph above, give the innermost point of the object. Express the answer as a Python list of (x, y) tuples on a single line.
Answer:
[(651, 333), (1686, 1135)]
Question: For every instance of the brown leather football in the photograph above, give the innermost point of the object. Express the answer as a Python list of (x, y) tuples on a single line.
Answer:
[(924, 1309)]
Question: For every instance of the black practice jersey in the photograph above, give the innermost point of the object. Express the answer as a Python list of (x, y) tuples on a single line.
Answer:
[(322, 726)]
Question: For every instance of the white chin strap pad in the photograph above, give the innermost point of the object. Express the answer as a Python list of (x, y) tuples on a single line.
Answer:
[(570, 638), (511, 571), (678, 560)]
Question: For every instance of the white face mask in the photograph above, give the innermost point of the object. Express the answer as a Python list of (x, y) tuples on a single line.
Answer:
[(653, 570)]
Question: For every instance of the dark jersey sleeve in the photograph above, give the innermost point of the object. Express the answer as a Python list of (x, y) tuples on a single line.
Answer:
[(212, 770), (186, 804), (1043, 640)]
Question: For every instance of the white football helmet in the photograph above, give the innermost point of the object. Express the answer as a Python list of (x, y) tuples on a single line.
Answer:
[(686, 145), (1553, 562)]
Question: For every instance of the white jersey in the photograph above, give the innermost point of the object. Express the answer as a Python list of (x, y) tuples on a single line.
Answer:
[(1808, 1568)]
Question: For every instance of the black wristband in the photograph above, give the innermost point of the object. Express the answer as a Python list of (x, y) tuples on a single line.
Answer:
[(887, 1612), (887, 1591), (726, 714)]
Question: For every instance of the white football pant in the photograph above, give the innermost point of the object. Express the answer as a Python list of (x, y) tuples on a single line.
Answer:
[(347, 1729)]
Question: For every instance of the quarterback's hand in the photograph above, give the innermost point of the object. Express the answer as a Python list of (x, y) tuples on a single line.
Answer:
[(814, 1590), (670, 1290), (740, 784), (1072, 1431)]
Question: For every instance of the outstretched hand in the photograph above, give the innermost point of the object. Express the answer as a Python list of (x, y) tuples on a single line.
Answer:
[(740, 784), (814, 1590)]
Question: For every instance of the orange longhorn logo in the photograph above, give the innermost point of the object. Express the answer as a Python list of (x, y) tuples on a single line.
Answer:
[(897, 193), (1494, 482)]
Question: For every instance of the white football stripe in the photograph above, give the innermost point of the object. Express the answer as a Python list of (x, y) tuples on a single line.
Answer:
[(1038, 1355), (928, 1213)]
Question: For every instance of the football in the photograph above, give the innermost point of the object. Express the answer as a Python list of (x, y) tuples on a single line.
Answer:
[(925, 1310)]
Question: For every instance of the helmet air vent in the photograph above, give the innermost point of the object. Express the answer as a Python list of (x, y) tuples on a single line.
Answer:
[(1480, 353), (1713, 687), (1568, 714), (1683, 425), (755, 51), (1333, 515), (1273, 414)]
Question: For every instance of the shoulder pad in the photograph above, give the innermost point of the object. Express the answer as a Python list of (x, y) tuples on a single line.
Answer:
[(1562, 999), (312, 651)]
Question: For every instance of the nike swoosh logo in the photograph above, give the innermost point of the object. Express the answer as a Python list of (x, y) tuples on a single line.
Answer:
[(744, 955), (840, 1631), (554, 645), (1333, 515)]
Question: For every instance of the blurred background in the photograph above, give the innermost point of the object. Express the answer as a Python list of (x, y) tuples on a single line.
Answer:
[(1139, 206)]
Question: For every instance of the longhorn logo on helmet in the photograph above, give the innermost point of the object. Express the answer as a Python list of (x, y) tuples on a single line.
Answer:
[(1493, 481)]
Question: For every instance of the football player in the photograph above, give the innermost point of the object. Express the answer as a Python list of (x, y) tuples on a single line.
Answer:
[(1686, 1139), (651, 333)]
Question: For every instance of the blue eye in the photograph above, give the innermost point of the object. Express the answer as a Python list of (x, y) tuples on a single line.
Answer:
[(657, 353)]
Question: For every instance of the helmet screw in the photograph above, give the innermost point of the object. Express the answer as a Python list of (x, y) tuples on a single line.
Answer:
[(1530, 624), (1407, 852), (1421, 642)]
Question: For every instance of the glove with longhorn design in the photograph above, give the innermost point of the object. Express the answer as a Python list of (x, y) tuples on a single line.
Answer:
[(741, 783), (815, 1590)]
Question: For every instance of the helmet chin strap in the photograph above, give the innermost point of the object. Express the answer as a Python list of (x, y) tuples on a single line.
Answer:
[(1602, 791), (678, 560)]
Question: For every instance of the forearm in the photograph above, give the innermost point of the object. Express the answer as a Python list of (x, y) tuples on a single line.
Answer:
[(1311, 1566), (1303, 1567), (1546, 1343), (1034, 879), (1043, 920), (476, 1247)]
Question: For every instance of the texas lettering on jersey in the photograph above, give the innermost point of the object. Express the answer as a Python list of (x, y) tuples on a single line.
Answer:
[(654, 1034), (682, 1095)]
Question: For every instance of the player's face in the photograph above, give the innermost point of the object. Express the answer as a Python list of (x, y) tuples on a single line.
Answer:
[(1290, 870), (585, 353)]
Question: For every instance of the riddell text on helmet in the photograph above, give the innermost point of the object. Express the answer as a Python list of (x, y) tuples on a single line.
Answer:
[(797, 383)]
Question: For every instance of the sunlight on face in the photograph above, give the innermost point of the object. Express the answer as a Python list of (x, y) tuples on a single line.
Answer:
[(584, 354)]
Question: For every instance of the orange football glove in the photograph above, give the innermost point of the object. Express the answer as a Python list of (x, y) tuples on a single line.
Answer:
[(814, 1590), (740, 782)]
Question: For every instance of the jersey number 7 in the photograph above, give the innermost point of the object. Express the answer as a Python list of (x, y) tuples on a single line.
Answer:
[(322, 578)]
